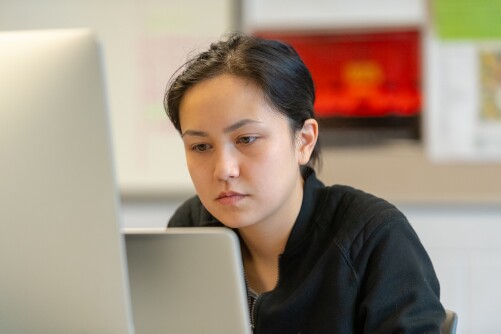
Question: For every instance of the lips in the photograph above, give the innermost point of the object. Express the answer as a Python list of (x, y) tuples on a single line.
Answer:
[(229, 197)]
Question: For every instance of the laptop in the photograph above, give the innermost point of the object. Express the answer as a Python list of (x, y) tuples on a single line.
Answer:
[(187, 280), (63, 265)]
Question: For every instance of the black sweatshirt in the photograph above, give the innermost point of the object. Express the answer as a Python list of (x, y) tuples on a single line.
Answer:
[(352, 264)]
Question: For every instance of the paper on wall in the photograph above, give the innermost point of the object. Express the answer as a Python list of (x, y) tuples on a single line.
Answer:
[(463, 89)]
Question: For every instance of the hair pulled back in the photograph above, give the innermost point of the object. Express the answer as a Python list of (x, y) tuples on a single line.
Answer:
[(273, 66)]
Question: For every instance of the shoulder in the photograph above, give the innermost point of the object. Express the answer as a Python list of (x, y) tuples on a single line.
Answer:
[(344, 214), (398, 287), (372, 230), (359, 218), (192, 213), (354, 209)]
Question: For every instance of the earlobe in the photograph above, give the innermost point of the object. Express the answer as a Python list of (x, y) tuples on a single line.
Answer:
[(307, 138)]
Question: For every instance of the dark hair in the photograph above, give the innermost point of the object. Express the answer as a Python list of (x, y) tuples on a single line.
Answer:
[(273, 66)]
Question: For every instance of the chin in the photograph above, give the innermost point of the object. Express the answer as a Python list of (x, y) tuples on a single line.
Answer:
[(235, 223)]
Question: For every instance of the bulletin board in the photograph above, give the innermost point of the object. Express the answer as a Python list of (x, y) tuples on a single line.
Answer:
[(143, 43)]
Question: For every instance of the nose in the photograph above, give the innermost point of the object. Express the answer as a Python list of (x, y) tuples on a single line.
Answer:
[(226, 165)]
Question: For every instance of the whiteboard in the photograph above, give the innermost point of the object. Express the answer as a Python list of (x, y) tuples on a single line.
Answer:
[(143, 43)]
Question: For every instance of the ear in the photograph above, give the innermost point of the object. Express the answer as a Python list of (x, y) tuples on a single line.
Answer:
[(306, 139)]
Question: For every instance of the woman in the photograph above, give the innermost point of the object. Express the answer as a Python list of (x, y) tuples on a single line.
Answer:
[(317, 259)]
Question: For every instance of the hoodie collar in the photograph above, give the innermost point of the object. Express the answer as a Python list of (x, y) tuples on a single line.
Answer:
[(311, 196)]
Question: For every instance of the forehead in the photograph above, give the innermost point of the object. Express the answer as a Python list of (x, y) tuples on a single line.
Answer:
[(224, 99), (221, 87)]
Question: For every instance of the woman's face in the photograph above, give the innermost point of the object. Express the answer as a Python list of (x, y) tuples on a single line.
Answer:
[(241, 155)]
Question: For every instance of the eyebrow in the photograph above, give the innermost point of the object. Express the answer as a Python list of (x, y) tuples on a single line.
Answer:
[(228, 129)]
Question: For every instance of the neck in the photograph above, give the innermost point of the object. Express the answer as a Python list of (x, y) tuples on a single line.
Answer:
[(260, 252), (266, 240), (264, 244)]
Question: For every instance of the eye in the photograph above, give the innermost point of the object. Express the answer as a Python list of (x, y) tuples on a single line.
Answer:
[(200, 147), (246, 140)]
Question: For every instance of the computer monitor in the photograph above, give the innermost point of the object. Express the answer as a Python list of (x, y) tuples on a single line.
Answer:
[(62, 258)]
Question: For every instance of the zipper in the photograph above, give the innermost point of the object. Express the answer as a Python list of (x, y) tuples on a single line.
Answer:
[(253, 314), (250, 303)]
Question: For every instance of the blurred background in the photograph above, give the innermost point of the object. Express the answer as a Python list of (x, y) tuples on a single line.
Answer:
[(408, 98)]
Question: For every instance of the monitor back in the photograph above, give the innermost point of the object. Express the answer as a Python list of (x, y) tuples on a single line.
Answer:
[(62, 263)]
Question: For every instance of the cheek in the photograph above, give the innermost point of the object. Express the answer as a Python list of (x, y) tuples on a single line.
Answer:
[(198, 172), (273, 163)]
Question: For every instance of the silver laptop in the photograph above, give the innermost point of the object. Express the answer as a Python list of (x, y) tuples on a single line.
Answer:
[(187, 280)]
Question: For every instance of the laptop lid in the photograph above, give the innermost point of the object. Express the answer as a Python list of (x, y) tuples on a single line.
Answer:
[(62, 263), (187, 280)]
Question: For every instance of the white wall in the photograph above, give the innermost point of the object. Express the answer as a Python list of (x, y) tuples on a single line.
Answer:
[(152, 213), (464, 243)]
